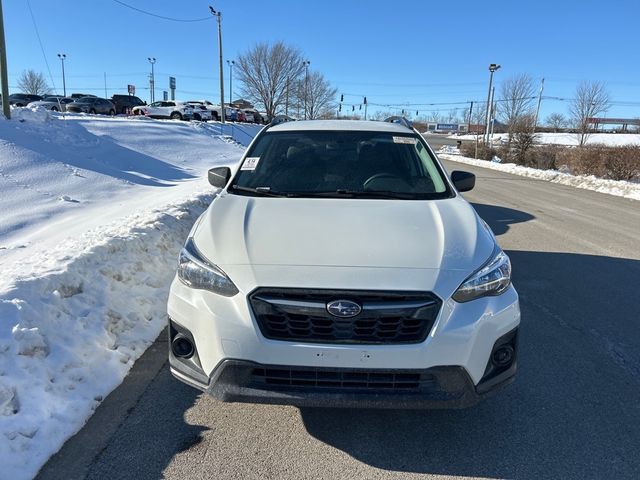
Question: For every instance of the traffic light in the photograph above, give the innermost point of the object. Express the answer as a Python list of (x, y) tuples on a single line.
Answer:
[(365, 100), (342, 97)]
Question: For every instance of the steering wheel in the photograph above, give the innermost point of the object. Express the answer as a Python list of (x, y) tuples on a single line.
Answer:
[(378, 176)]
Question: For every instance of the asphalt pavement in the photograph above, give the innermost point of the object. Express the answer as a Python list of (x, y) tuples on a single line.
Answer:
[(573, 412)]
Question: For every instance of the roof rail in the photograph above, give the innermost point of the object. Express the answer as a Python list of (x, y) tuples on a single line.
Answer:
[(401, 120), (278, 119)]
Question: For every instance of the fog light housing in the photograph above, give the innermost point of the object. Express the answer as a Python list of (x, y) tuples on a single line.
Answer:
[(503, 356), (182, 347)]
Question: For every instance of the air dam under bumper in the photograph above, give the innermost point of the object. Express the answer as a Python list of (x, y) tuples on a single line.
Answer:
[(435, 387)]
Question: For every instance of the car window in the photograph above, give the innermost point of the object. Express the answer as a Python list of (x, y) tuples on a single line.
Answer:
[(313, 162), (156, 104)]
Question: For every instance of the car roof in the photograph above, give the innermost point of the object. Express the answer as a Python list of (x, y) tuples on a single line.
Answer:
[(342, 125)]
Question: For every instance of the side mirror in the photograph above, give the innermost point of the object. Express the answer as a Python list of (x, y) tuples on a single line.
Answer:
[(219, 176), (463, 181)]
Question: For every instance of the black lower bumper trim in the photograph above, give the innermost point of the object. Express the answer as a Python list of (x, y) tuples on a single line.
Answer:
[(242, 381)]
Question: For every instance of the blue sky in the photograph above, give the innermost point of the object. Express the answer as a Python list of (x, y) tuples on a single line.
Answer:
[(398, 52)]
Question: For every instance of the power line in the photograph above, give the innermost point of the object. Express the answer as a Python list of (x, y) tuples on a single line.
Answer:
[(171, 19), (41, 47)]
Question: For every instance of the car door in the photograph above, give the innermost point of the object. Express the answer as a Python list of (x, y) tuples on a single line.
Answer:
[(155, 109)]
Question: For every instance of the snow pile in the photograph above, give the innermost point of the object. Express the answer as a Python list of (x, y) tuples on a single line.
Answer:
[(589, 182), (93, 213), (569, 139), (69, 336), (449, 149)]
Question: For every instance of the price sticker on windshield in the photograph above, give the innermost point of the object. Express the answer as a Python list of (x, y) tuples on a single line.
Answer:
[(407, 140), (250, 163)]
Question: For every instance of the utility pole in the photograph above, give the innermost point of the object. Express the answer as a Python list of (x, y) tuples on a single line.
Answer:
[(4, 78), (535, 123), (152, 80), (470, 113), (493, 113), (219, 15), (286, 98), (231, 63), (365, 108), (492, 68), (105, 85), (306, 85), (62, 57)]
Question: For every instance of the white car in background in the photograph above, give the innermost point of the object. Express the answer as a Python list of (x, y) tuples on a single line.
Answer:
[(55, 104), (340, 266), (165, 109), (248, 115), (200, 111)]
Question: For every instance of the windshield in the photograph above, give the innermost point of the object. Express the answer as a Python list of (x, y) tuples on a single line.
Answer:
[(340, 163)]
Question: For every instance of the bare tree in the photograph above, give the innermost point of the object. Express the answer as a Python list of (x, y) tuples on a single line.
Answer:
[(523, 138), (517, 95), (434, 116), (452, 116), (591, 99), (557, 121), (33, 83), (267, 73), (320, 96)]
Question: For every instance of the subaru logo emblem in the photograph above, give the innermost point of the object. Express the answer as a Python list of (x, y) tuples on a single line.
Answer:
[(343, 308)]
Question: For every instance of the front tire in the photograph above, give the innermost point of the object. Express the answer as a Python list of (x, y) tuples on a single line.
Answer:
[(112, 112), (176, 116), (92, 111)]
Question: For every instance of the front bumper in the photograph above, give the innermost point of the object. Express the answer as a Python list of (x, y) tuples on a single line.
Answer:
[(234, 380)]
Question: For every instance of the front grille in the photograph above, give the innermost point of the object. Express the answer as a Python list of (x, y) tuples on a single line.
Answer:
[(386, 317), (321, 378)]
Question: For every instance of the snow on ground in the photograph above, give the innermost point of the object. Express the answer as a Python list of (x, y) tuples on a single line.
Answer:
[(571, 139), (589, 182), (93, 213)]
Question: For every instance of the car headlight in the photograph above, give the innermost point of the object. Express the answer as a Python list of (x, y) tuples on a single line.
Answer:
[(492, 279), (196, 272)]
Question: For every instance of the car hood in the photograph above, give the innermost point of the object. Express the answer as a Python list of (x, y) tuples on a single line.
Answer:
[(434, 234)]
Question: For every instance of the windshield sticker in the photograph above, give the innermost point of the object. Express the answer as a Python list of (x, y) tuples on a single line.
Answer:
[(407, 140), (250, 163)]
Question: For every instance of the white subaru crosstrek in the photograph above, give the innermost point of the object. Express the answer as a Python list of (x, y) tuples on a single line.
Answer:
[(340, 266)]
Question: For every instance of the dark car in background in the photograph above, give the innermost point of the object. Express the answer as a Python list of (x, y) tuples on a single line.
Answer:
[(81, 95), (125, 103), (92, 105), (23, 99)]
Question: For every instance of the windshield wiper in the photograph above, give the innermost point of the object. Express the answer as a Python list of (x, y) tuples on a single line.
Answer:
[(262, 191), (376, 194)]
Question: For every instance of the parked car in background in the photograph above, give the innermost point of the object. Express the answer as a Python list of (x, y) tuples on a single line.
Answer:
[(231, 114), (55, 103), (166, 109), (92, 105), (126, 103), (76, 96), (23, 99), (200, 111), (249, 115), (241, 117), (214, 109)]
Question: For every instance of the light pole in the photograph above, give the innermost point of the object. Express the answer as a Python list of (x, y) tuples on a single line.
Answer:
[(492, 68), (219, 15), (231, 63), (152, 80), (306, 85), (62, 57)]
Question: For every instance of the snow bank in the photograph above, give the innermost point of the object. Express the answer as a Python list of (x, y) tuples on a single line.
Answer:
[(93, 213), (589, 182), (70, 335), (570, 139)]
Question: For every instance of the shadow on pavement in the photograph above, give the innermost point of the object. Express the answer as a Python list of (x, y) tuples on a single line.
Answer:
[(153, 434), (573, 410)]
